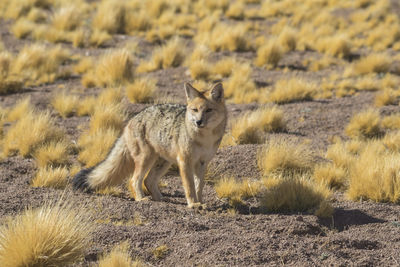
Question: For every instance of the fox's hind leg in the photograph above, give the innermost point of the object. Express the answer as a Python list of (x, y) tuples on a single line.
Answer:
[(160, 167), (144, 159)]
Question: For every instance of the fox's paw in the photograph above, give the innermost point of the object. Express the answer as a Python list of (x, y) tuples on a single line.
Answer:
[(147, 198), (197, 206)]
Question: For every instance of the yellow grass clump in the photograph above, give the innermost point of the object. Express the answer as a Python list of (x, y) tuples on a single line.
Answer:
[(252, 126), (295, 89), (240, 87), (372, 63), (235, 191), (236, 10), (392, 141), (288, 39), (337, 46), (51, 177), (107, 117), (22, 28), (391, 122), (99, 38), (110, 17), (160, 252), (115, 68), (65, 104), (37, 64), (294, 194), (365, 124), (141, 90), (331, 175), (67, 18), (269, 54), (285, 158), (119, 256), (225, 66), (86, 106), (41, 130), (342, 155), (386, 97), (171, 54), (375, 176), (53, 154), (21, 108), (52, 235), (225, 37), (84, 65), (9, 82)]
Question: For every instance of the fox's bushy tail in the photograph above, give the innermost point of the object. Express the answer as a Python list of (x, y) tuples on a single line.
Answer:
[(111, 171)]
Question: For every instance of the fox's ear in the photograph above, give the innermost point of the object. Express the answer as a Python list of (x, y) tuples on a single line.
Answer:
[(191, 92), (217, 92)]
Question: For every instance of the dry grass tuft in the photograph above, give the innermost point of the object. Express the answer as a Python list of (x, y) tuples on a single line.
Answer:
[(171, 54), (285, 158), (51, 177), (141, 90), (240, 87), (160, 252), (225, 66), (115, 68), (65, 104), (385, 98), (21, 108), (365, 124), (52, 235), (269, 54), (252, 126), (375, 176), (331, 175), (107, 117), (296, 194), (392, 141), (378, 63), (391, 122), (53, 154), (96, 145), (288, 39), (292, 90), (42, 130), (235, 191), (119, 257)]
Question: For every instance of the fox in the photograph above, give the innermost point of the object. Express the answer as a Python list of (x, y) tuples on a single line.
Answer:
[(159, 136)]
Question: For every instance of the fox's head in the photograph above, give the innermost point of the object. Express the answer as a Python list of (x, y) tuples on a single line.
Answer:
[(205, 110)]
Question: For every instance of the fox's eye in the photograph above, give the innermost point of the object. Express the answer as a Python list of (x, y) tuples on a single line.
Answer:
[(195, 109), (208, 110)]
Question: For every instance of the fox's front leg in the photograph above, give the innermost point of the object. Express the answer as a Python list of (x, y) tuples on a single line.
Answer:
[(186, 171), (200, 169)]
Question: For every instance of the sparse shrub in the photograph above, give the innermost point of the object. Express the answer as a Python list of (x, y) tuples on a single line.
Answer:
[(285, 158), (294, 194), (21, 108), (329, 174), (119, 256), (392, 141), (170, 55), (51, 177), (288, 39), (41, 130), (54, 154), (225, 66), (391, 122), (375, 176), (269, 54), (236, 10), (365, 124), (65, 104), (67, 18), (38, 64), (141, 90), (52, 235), (252, 126), (115, 68), (225, 37), (160, 252), (292, 90), (107, 117), (240, 86), (386, 97), (95, 146), (110, 17), (378, 63), (99, 38)]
